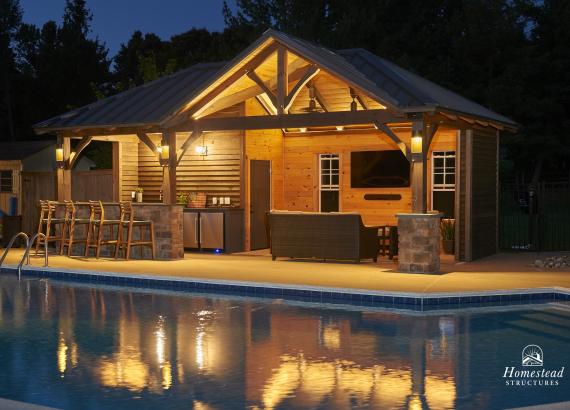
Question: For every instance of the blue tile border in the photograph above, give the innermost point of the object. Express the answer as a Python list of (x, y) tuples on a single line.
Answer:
[(401, 300)]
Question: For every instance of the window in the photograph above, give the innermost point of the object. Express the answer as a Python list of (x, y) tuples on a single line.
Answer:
[(6, 184), (329, 182), (443, 182)]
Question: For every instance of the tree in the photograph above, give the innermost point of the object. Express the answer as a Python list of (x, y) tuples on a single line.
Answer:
[(10, 19), (60, 67)]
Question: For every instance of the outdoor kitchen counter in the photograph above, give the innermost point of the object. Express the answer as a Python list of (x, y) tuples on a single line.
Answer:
[(167, 220)]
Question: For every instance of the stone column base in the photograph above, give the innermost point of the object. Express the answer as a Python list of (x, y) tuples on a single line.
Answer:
[(418, 242)]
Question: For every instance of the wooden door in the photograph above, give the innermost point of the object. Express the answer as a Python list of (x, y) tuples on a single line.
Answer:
[(260, 202)]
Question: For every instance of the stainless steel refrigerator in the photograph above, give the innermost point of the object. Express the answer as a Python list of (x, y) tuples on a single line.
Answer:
[(204, 230)]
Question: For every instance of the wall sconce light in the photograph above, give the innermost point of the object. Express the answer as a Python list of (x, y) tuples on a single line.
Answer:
[(417, 143), (202, 150), (59, 157), (164, 154)]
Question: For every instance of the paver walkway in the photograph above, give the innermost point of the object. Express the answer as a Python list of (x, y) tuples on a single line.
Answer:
[(503, 271)]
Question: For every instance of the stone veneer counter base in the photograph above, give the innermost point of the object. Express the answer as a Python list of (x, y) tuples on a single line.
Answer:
[(418, 242)]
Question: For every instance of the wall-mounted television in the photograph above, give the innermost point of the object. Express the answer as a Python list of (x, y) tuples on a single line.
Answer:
[(379, 169)]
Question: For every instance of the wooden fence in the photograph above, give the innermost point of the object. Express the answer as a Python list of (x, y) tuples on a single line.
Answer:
[(85, 185), (535, 220)]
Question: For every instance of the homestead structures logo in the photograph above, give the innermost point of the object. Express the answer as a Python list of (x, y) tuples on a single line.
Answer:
[(533, 372), (532, 356)]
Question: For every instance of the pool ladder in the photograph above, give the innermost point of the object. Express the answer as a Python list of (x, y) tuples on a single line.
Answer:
[(26, 256)]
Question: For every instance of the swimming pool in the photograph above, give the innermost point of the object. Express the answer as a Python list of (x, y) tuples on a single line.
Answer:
[(79, 346)]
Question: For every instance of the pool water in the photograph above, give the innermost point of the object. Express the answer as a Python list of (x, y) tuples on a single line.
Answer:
[(77, 346)]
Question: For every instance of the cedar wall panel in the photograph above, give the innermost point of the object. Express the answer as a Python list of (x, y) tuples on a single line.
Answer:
[(294, 166), (217, 174), (301, 182), (129, 169), (484, 193), (301, 173)]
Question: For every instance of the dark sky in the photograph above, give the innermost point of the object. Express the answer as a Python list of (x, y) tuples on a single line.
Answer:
[(115, 20)]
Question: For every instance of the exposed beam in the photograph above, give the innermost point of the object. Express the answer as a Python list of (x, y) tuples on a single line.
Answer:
[(191, 138), (169, 171), (205, 101), (80, 147), (419, 172), (102, 132), (361, 101), (116, 138), (386, 130), (63, 174), (304, 80), (282, 79), (264, 101), (432, 130), (250, 92), (322, 119), (255, 78), (148, 142), (320, 99)]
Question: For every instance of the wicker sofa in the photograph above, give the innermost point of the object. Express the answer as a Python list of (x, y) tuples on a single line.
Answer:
[(332, 236)]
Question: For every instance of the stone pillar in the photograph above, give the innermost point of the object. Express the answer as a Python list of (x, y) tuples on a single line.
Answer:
[(418, 242)]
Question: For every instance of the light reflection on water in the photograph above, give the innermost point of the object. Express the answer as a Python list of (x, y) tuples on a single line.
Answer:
[(75, 346)]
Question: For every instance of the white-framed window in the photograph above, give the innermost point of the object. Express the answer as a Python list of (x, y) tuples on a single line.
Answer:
[(329, 182), (443, 182), (443, 170), (6, 181)]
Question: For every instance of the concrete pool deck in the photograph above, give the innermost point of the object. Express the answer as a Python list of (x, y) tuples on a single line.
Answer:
[(499, 272)]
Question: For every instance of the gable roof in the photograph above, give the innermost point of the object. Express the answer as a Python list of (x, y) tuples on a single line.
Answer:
[(411, 90), (143, 105), (156, 102), (10, 151)]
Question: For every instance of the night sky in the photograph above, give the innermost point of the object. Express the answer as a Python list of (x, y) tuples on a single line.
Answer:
[(115, 20)]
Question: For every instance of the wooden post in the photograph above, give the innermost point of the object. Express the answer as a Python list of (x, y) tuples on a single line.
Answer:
[(419, 171), (117, 171), (282, 79), (169, 179), (63, 174)]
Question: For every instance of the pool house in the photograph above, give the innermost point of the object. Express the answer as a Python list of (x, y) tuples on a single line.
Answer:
[(291, 129)]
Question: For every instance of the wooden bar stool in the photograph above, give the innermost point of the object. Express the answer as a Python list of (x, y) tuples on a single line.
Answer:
[(128, 222), (96, 229), (51, 223), (71, 222)]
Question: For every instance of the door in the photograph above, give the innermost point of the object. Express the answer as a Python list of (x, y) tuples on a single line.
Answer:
[(212, 230), (259, 202)]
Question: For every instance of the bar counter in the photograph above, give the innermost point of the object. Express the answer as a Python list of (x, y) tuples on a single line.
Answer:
[(167, 220)]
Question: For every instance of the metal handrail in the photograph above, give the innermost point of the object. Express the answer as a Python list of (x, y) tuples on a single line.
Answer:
[(12, 243), (27, 252)]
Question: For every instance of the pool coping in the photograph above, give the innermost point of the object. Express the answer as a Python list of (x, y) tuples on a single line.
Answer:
[(352, 296)]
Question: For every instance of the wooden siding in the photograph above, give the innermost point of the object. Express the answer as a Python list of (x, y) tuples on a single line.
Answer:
[(484, 193), (35, 186), (461, 197), (217, 174), (301, 186), (129, 174), (295, 167)]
